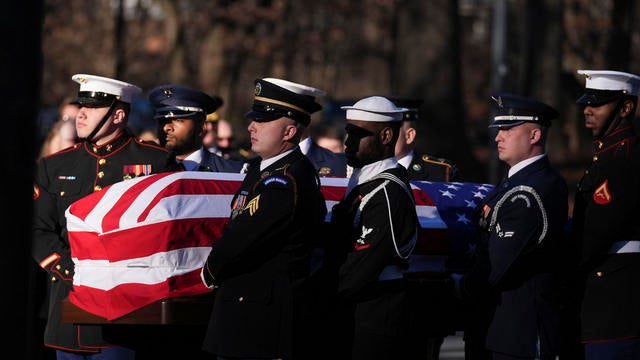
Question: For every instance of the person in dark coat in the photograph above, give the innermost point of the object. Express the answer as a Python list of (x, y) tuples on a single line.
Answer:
[(107, 153), (605, 222), (261, 265), (324, 160), (433, 309), (373, 233), (181, 112), (517, 267), (419, 167)]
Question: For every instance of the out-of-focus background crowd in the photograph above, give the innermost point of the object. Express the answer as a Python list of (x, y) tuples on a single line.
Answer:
[(453, 54)]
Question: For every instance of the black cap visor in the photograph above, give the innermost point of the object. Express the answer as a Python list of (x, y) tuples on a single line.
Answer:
[(94, 99), (595, 97), (264, 112), (506, 124), (171, 112)]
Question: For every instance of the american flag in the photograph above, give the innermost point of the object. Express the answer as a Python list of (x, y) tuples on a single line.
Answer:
[(146, 239)]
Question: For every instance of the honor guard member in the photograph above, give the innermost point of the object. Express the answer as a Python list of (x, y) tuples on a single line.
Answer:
[(261, 264), (521, 226), (606, 218), (433, 317), (373, 230), (107, 153), (325, 161), (181, 112), (420, 167)]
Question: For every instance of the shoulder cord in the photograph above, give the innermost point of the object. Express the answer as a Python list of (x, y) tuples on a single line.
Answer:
[(534, 194), (390, 177)]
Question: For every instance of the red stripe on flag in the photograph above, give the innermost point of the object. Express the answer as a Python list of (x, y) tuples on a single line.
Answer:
[(146, 240), (112, 220), (333, 193), (126, 298), (82, 208)]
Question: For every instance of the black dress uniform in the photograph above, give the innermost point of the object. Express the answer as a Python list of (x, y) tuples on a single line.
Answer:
[(326, 161), (430, 168), (606, 224), (607, 203), (61, 179), (372, 250), (261, 266), (262, 260), (516, 270), (71, 174)]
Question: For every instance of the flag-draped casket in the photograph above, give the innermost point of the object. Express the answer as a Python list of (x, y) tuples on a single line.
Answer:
[(146, 239)]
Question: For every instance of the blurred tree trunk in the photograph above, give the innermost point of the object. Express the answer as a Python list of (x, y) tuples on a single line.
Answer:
[(427, 65), (619, 42)]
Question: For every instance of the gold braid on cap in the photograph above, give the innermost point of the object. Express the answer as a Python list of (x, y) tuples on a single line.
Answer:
[(278, 102)]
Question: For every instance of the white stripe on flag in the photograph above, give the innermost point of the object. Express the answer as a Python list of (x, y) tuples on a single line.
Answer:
[(154, 269)]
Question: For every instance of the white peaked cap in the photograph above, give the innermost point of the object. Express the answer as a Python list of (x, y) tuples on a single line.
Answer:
[(374, 108), (611, 80), (92, 83), (296, 88)]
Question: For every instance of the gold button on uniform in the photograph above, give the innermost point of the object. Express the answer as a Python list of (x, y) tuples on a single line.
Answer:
[(61, 193), (595, 158), (54, 279), (241, 299), (102, 161), (599, 274), (101, 174), (97, 188)]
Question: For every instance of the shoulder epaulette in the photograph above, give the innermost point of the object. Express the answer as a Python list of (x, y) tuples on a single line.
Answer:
[(452, 170)]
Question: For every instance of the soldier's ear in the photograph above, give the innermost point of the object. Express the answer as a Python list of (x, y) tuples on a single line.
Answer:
[(626, 108), (410, 135), (535, 135), (118, 115)]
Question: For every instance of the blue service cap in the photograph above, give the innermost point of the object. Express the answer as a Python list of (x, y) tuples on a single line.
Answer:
[(603, 86), (177, 101), (511, 110), (276, 98)]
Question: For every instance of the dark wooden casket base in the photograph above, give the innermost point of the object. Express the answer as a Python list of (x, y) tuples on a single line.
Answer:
[(191, 310)]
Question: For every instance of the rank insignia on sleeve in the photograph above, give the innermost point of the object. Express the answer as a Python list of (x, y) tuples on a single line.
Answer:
[(361, 243), (253, 205), (602, 195)]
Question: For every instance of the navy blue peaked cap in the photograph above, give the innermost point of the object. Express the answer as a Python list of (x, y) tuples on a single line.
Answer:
[(177, 101), (412, 104), (511, 110), (276, 98)]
